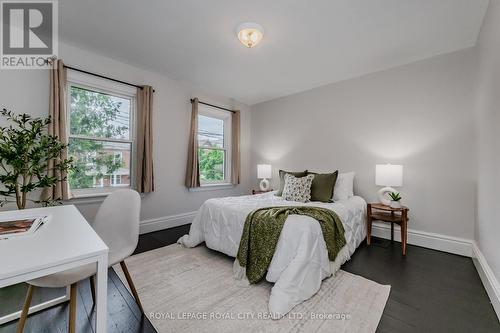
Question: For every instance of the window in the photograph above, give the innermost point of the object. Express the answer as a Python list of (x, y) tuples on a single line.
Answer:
[(101, 134), (214, 142)]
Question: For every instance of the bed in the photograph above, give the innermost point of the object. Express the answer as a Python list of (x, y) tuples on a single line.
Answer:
[(300, 261)]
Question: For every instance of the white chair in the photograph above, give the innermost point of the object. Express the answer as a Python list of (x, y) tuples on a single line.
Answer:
[(117, 223)]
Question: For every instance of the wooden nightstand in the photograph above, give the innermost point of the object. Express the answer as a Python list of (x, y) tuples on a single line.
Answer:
[(260, 192), (379, 212)]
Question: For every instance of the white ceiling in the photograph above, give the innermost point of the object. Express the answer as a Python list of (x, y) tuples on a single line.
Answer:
[(307, 43)]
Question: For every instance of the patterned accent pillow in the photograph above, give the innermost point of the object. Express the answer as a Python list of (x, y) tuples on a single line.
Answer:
[(297, 189)]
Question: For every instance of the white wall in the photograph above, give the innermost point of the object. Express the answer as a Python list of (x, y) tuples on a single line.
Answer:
[(488, 116), (418, 115), (26, 91)]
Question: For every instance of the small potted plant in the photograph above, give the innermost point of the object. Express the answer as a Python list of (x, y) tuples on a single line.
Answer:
[(395, 200)]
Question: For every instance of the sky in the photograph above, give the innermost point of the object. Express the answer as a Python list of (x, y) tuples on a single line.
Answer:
[(210, 129)]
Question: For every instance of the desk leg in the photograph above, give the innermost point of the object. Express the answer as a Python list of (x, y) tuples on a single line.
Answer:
[(102, 294)]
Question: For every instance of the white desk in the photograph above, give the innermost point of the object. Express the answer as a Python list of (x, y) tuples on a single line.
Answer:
[(66, 241)]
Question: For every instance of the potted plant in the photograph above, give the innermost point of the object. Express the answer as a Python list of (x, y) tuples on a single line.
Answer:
[(395, 200), (25, 152)]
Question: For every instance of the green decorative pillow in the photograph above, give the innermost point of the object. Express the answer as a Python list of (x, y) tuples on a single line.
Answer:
[(322, 186), (297, 174)]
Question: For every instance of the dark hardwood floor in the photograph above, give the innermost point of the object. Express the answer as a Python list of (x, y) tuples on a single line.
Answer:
[(431, 291)]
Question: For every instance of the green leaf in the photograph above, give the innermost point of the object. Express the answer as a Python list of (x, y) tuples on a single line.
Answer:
[(395, 196)]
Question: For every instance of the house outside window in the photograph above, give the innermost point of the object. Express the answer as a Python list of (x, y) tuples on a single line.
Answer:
[(101, 134)]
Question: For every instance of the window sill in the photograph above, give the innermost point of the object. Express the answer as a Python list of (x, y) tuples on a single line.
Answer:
[(90, 195), (211, 187), (90, 198), (82, 199)]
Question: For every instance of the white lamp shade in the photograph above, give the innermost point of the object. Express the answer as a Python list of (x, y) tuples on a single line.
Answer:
[(263, 171), (388, 175)]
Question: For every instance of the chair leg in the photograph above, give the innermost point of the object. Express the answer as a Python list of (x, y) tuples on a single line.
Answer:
[(92, 288), (131, 285), (26, 308), (72, 308)]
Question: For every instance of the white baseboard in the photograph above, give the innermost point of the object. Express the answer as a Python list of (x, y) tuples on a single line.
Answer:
[(166, 222), (429, 240), (489, 280)]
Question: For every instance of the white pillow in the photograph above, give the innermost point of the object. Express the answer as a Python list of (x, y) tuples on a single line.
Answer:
[(344, 186), (297, 189)]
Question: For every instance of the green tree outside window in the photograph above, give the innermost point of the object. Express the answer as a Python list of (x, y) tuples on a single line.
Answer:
[(93, 114)]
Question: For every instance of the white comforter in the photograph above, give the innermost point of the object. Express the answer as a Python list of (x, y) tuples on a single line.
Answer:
[(300, 261)]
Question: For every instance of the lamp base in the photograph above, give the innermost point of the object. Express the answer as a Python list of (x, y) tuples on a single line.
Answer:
[(264, 185), (383, 195)]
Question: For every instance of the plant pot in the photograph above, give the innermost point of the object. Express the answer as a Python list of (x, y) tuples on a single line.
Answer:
[(395, 204)]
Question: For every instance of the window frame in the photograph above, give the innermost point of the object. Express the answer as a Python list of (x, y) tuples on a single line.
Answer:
[(226, 117), (108, 87)]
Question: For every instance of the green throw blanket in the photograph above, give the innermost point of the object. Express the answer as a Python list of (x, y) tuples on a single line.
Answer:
[(263, 228)]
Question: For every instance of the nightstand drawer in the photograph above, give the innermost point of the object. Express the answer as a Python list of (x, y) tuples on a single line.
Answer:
[(387, 217)]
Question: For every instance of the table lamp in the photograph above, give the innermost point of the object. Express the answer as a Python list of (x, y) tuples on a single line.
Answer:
[(264, 172), (388, 175)]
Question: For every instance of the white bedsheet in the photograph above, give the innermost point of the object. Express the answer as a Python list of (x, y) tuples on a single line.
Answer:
[(300, 261)]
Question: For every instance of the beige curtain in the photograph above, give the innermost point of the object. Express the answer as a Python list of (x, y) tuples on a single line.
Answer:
[(144, 176), (192, 169), (235, 150), (57, 127)]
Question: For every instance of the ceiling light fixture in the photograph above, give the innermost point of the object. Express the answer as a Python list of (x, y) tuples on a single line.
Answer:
[(250, 34)]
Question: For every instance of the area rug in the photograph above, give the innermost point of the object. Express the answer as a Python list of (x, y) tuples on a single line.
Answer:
[(193, 290)]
